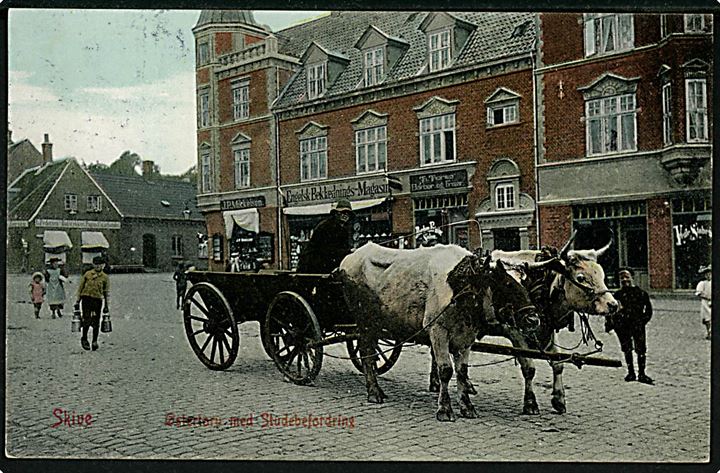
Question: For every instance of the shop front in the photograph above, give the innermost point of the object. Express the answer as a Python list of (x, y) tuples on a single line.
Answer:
[(692, 238), (56, 244), (307, 205), (249, 248)]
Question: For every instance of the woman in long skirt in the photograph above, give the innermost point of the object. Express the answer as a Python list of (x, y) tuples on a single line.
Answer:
[(56, 278)]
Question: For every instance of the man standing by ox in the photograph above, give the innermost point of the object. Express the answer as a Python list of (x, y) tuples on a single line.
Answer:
[(94, 287), (629, 324)]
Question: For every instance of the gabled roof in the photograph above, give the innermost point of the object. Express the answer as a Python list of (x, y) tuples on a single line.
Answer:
[(31, 188), (490, 41), (143, 198)]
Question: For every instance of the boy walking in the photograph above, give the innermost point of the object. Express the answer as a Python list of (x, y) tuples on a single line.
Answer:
[(704, 292), (93, 289), (37, 292)]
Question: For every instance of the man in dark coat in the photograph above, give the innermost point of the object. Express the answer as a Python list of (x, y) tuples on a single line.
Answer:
[(330, 241), (629, 324)]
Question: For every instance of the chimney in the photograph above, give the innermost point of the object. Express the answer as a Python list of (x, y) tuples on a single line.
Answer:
[(47, 149), (148, 168)]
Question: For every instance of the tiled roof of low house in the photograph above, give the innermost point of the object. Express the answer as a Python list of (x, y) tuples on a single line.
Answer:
[(496, 35), (146, 198), (30, 189)]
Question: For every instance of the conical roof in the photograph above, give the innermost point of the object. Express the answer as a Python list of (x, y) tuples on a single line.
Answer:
[(226, 16)]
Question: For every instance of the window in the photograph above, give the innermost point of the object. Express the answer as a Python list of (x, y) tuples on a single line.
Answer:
[(313, 158), (611, 124), (437, 139), (241, 101), (94, 203), (694, 23), (500, 114), (204, 109), (696, 109), (242, 167), (203, 53), (316, 80), (439, 50), (667, 114), (71, 202), (608, 33), (205, 172), (217, 247), (505, 196), (663, 26), (371, 149), (177, 245), (374, 66)]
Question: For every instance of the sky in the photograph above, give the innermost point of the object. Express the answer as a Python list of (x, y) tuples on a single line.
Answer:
[(101, 82)]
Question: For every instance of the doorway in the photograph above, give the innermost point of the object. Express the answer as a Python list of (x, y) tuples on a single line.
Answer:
[(149, 256)]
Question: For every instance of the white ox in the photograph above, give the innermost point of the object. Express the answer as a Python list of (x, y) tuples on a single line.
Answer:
[(439, 296)]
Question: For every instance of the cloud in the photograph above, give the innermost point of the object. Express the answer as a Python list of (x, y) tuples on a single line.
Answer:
[(20, 91), (178, 88)]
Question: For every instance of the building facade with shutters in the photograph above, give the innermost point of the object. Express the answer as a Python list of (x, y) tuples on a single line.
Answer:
[(624, 107)]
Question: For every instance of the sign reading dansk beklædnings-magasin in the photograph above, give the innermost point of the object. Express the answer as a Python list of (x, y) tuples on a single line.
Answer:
[(321, 193)]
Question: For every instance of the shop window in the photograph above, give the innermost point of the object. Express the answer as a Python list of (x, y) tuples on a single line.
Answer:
[(505, 196), (204, 118), (371, 149), (437, 139), (695, 23), (313, 158), (692, 238), (437, 220), (374, 66), (241, 166), (71, 202), (696, 110), (667, 114), (217, 248), (94, 203), (316, 80), (611, 124), (177, 245), (241, 100), (608, 33), (506, 239), (439, 52)]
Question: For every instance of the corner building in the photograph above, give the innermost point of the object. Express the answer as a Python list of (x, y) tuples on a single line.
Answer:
[(424, 121), (625, 135)]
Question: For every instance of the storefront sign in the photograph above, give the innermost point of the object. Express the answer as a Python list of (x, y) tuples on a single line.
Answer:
[(323, 193), (439, 181), (243, 203), (47, 222)]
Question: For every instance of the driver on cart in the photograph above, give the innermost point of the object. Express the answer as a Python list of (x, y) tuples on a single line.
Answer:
[(330, 241)]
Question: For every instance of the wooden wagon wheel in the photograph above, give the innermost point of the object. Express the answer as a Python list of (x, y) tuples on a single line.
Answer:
[(383, 361), (292, 335), (210, 326)]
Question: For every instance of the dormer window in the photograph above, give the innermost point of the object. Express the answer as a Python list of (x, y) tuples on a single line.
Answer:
[(608, 33), (374, 66), (439, 50), (316, 80)]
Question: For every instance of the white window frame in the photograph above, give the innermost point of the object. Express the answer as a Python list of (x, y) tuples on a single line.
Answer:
[(316, 79), (241, 166), (510, 111), (177, 245), (690, 22), (371, 149), (204, 109), (205, 172), (203, 59), (666, 98), (663, 26), (241, 100), (71, 202), (439, 50), (505, 196), (700, 110), (434, 132), (597, 110), (602, 33), (313, 151), (374, 66), (94, 203)]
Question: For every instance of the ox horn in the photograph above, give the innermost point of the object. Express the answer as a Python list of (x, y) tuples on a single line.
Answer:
[(602, 250), (540, 264), (563, 253)]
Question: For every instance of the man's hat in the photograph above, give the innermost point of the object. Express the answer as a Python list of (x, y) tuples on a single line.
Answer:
[(705, 269), (343, 204), (626, 270), (98, 260), (54, 258)]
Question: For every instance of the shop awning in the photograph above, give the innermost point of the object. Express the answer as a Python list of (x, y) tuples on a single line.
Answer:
[(321, 209), (56, 239), (247, 219), (94, 241)]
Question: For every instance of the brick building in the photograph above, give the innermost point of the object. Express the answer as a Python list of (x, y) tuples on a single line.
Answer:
[(625, 131), (424, 121)]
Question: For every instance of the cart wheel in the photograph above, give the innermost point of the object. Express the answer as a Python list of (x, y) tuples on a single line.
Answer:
[(210, 326), (383, 361), (290, 326)]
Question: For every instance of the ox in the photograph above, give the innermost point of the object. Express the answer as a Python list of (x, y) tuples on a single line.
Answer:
[(439, 296), (567, 282)]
